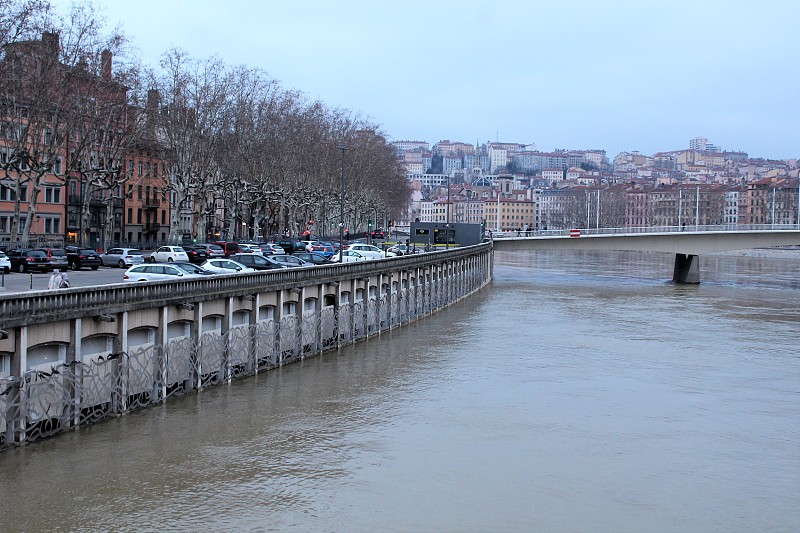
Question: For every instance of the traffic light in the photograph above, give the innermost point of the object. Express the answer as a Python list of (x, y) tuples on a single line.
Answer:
[(369, 224)]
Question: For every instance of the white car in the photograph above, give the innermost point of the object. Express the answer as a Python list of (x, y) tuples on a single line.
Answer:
[(169, 254), (122, 257), (272, 249), (5, 263), (149, 272), (250, 249), (369, 251), (226, 266), (348, 256)]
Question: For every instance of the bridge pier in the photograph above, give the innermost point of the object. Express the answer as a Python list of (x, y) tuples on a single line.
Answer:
[(687, 269)]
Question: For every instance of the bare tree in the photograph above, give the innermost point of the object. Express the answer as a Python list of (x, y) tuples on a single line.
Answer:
[(194, 107)]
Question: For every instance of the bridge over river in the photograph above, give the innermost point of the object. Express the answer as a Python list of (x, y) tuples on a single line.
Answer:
[(686, 243)]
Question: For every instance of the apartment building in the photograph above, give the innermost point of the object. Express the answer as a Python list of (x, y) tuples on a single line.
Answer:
[(510, 214), (88, 163)]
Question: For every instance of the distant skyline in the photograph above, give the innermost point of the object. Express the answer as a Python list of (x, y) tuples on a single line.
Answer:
[(614, 75)]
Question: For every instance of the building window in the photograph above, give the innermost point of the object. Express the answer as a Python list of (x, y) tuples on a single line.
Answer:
[(130, 217), (138, 216), (139, 192), (141, 169)]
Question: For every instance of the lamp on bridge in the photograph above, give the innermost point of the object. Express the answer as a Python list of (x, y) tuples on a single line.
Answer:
[(341, 147)]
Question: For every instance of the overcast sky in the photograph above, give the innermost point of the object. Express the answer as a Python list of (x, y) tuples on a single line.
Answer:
[(644, 75)]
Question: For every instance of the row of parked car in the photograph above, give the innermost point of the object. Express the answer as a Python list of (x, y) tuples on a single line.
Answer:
[(285, 253), (49, 259), (174, 262)]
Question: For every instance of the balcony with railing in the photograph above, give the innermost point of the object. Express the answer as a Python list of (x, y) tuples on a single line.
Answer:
[(151, 203)]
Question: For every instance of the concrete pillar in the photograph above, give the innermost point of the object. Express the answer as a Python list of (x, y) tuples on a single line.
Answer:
[(15, 421), (161, 346), (318, 305), (196, 331), (75, 372), (256, 302), (120, 404), (687, 269), (227, 320)]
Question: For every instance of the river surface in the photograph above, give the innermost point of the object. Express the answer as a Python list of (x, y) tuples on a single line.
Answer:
[(580, 391)]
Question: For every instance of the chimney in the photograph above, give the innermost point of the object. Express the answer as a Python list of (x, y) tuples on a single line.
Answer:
[(105, 64), (50, 43), (153, 98)]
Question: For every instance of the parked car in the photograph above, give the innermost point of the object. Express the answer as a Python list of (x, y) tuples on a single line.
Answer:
[(191, 268), (79, 257), (122, 257), (169, 254), (225, 266), (288, 261), (348, 256), (369, 251), (29, 261), (5, 263), (228, 248), (323, 248), (290, 244), (247, 248), (197, 254), (214, 250), (314, 258), (254, 261), (150, 272), (57, 256), (403, 249), (269, 248)]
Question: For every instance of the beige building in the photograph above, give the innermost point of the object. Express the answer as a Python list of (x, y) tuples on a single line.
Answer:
[(509, 214)]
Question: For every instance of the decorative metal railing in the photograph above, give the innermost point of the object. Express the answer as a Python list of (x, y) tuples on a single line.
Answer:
[(41, 404)]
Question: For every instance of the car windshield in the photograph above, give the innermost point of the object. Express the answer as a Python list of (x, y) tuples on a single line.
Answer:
[(36, 253)]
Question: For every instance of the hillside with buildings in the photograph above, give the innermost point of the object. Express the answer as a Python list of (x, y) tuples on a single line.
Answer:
[(514, 186)]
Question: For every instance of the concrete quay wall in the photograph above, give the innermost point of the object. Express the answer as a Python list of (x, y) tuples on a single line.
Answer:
[(73, 357)]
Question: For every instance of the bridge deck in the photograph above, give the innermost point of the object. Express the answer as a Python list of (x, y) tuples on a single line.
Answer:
[(679, 242)]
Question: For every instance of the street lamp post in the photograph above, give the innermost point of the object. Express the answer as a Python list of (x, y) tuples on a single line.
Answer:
[(447, 218), (341, 147)]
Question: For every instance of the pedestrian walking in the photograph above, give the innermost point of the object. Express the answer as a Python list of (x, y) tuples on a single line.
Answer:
[(64, 281)]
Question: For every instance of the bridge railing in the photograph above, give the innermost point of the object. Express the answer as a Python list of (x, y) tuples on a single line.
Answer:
[(575, 232), (36, 307)]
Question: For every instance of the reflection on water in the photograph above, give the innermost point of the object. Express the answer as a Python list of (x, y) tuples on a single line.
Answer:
[(579, 392)]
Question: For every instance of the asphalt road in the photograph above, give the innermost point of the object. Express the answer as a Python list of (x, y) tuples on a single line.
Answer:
[(16, 282)]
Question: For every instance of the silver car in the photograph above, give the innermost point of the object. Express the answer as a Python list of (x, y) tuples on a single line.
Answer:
[(122, 257)]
